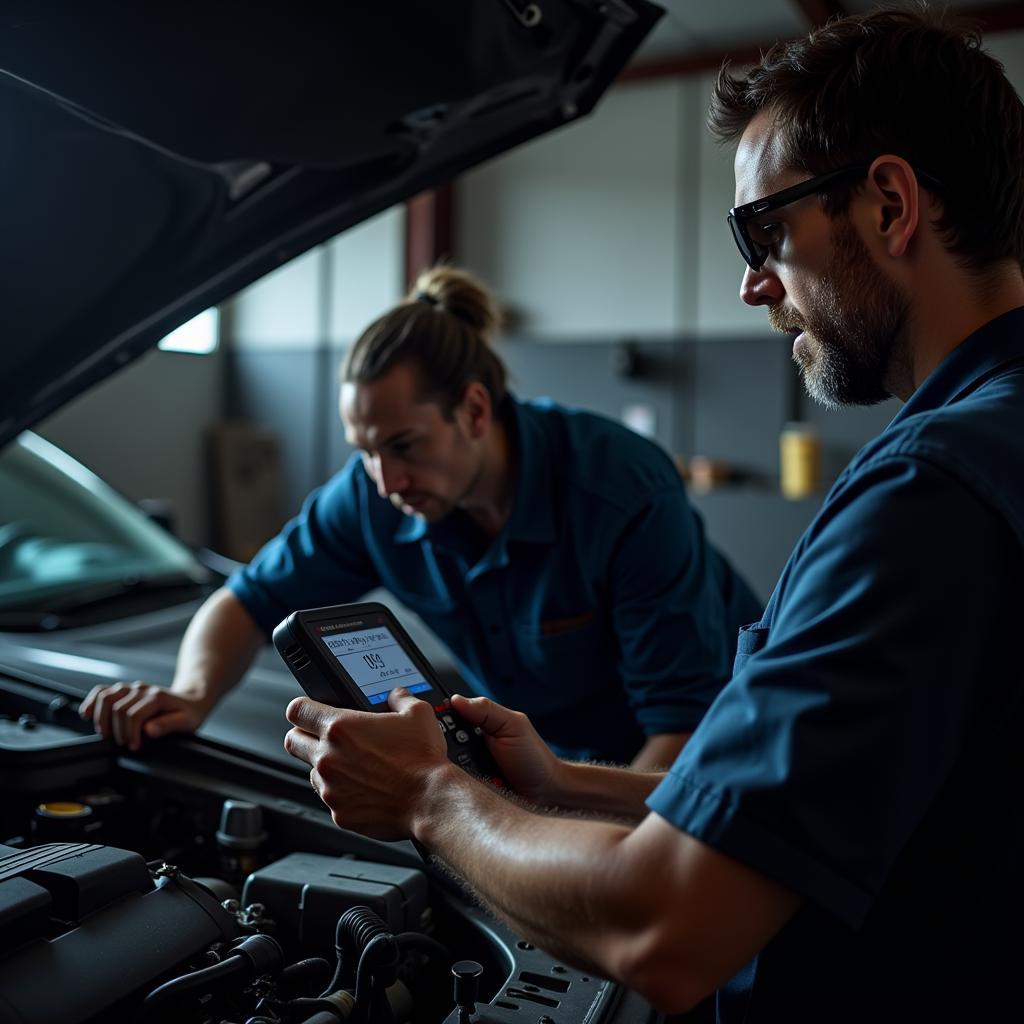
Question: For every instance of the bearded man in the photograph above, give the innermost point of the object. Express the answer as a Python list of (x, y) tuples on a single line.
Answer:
[(841, 838)]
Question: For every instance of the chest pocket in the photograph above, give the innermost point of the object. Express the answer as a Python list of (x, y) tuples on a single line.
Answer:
[(752, 639), (566, 657)]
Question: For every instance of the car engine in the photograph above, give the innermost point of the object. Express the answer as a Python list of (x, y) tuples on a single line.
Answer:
[(193, 883)]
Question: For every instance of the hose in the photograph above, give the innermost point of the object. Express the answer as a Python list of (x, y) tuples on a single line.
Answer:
[(305, 972), (425, 944), (378, 968), (359, 926), (258, 954)]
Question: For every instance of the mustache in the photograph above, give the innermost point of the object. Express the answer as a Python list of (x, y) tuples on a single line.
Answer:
[(785, 321)]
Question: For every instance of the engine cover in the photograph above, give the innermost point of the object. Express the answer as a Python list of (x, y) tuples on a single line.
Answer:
[(84, 926)]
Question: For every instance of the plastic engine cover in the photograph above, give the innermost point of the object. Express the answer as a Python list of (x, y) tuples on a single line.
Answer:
[(306, 893)]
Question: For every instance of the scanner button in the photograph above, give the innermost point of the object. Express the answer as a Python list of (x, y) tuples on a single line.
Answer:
[(442, 725), (462, 736), (463, 758), (448, 720)]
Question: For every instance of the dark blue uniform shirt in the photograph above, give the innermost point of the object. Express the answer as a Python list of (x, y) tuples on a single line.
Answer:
[(867, 753), (599, 609)]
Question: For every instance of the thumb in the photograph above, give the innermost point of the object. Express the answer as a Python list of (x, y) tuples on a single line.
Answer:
[(173, 721), (400, 699), (484, 712)]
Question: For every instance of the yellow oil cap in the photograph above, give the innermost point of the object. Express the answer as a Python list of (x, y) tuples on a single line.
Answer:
[(63, 809)]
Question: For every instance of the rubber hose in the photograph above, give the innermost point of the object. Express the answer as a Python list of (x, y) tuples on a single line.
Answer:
[(360, 925), (257, 955), (385, 949), (306, 972), (425, 944)]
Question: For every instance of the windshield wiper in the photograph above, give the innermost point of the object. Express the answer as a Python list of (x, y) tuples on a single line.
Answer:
[(51, 612)]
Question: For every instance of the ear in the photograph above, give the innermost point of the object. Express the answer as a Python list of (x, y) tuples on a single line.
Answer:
[(474, 411), (892, 184)]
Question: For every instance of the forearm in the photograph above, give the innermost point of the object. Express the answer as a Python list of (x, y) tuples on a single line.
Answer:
[(659, 752), (552, 878), (217, 649), (602, 790)]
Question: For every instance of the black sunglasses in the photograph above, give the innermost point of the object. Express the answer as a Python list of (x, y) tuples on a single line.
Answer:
[(754, 243)]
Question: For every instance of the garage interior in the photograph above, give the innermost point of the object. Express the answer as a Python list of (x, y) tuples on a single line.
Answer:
[(605, 241)]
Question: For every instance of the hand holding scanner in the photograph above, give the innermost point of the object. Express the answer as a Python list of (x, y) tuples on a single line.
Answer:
[(354, 655)]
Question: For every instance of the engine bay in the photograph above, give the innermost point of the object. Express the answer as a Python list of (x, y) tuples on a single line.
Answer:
[(194, 883)]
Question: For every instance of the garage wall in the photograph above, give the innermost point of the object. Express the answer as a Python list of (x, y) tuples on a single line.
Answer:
[(144, 432), (609, 230)]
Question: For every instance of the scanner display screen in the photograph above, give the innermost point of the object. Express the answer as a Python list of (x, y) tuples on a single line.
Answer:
[(376, 662)]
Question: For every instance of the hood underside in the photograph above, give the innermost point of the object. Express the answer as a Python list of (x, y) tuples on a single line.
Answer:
[(155, 161)]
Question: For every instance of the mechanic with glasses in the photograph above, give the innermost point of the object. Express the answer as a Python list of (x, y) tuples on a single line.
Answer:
[(552, 550), (842, 837)]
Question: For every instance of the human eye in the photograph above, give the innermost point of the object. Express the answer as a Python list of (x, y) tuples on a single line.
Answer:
[(403, 448), (768, 233)]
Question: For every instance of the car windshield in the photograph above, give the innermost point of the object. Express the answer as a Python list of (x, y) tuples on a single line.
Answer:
[(68, 538)]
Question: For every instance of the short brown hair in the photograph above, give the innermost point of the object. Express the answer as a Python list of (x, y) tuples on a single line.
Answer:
[(445, 328), (911, 83)]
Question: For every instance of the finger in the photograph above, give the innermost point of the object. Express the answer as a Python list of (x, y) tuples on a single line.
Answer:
[(400, 699), (85, 709), (310, 715), (301, 745), (138, 714), (483, 712), (168, 721), (119, 716), (104, 701)]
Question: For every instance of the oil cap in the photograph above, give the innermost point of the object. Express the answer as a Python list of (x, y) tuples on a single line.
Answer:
[(241, 826), (61, 821)]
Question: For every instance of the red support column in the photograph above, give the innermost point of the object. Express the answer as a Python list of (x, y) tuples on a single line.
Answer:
[(429, 229)]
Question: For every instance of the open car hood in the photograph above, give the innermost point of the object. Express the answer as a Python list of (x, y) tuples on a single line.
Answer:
[(155, 161)]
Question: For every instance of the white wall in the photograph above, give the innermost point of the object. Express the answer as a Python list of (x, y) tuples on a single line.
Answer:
[(330, 293), (579, 231), (144, 432), (614, 225)]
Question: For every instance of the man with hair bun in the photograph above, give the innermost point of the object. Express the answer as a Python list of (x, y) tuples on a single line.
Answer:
[(552, 550), (842, 838)]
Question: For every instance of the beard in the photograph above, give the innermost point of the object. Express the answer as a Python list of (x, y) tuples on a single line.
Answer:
[(854, 344)]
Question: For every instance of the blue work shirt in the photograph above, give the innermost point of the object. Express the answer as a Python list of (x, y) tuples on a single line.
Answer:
[(599, 609), (868, 752)]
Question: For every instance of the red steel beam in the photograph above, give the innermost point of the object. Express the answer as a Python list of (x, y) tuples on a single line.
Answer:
[(429, 229)]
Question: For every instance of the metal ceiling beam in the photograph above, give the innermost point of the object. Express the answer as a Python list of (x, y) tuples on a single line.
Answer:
[(993, 18)]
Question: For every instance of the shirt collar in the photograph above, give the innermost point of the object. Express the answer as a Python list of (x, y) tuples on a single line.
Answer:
[(977, 357), (532, 518), (410, 528)]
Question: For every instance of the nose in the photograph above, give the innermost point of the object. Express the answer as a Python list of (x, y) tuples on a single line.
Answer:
[(761, 288), (388, 475)]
